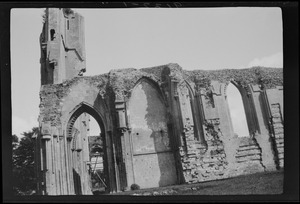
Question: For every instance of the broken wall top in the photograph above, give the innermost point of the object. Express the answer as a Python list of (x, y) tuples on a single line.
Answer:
[(122, 81), (267, 77)]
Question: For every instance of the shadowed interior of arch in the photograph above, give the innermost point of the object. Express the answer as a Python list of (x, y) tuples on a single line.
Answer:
[(237, 111)]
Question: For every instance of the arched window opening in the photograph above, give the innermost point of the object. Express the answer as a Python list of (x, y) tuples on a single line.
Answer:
[(87, 146), (237, 111)]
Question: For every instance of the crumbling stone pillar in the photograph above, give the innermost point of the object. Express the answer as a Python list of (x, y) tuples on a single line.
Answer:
[(221, 110), (124, 159), (169, 87), (274, 100), (263, 135)]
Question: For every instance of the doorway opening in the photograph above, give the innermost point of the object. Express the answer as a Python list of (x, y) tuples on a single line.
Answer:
[(87, 152)]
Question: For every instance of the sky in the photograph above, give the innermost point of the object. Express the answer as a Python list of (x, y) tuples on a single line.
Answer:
[(195, 38)]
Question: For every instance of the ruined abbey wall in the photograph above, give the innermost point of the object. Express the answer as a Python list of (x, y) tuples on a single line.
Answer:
[(164, 125)]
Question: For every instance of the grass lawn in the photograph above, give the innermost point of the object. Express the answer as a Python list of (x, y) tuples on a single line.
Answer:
[(259, 183), (262, 183)]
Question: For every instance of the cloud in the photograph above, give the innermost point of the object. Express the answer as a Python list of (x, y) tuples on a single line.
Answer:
[(275, 60), (20, 125)]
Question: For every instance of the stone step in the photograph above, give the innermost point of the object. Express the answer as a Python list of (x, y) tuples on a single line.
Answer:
[(278, 132), (279, 136), (281, 163), (280, 150), (276, 115), (211, 160), (275, 107), (280, 145), (249, 152), (279, 140), (277, 125), (248, 158), (281, 156), (277, 120), (247, 148)]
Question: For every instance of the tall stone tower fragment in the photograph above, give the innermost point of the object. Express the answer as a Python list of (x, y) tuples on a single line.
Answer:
[(62, 46)]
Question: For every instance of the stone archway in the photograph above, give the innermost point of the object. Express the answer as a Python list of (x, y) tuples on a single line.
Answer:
[(78, 151)]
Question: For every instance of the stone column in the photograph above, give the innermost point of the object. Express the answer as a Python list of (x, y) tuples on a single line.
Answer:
[(48, 160), (176, 126), (274, 99), (124, 167), (37, 163), (226, 129)]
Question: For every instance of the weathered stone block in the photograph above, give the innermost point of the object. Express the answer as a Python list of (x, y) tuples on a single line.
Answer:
[(280, 145), (247, 148), (281, 163), (248, 158), (210, 160), (277, 126), (277, 120), (277, 114), (279, 140), (280, 151), (279, 135), (248, 152)]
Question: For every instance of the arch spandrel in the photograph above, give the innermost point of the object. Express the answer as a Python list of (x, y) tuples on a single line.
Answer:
[(123, 81), (242, 89), (86, 96), (153, 83)]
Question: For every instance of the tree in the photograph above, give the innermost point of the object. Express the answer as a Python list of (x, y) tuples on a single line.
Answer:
[(23, 163), (15, 141)]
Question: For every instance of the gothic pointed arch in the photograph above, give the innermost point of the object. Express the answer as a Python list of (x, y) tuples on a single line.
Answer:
[(191, 110), (150, 136), (154, 84), (75, 144), (77, 111), (248, 105)]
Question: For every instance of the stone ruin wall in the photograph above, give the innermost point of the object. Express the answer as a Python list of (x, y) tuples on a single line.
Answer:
[(210, 161), (203, 143)]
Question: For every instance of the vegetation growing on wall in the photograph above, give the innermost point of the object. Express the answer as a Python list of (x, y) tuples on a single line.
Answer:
[(268, 77)]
